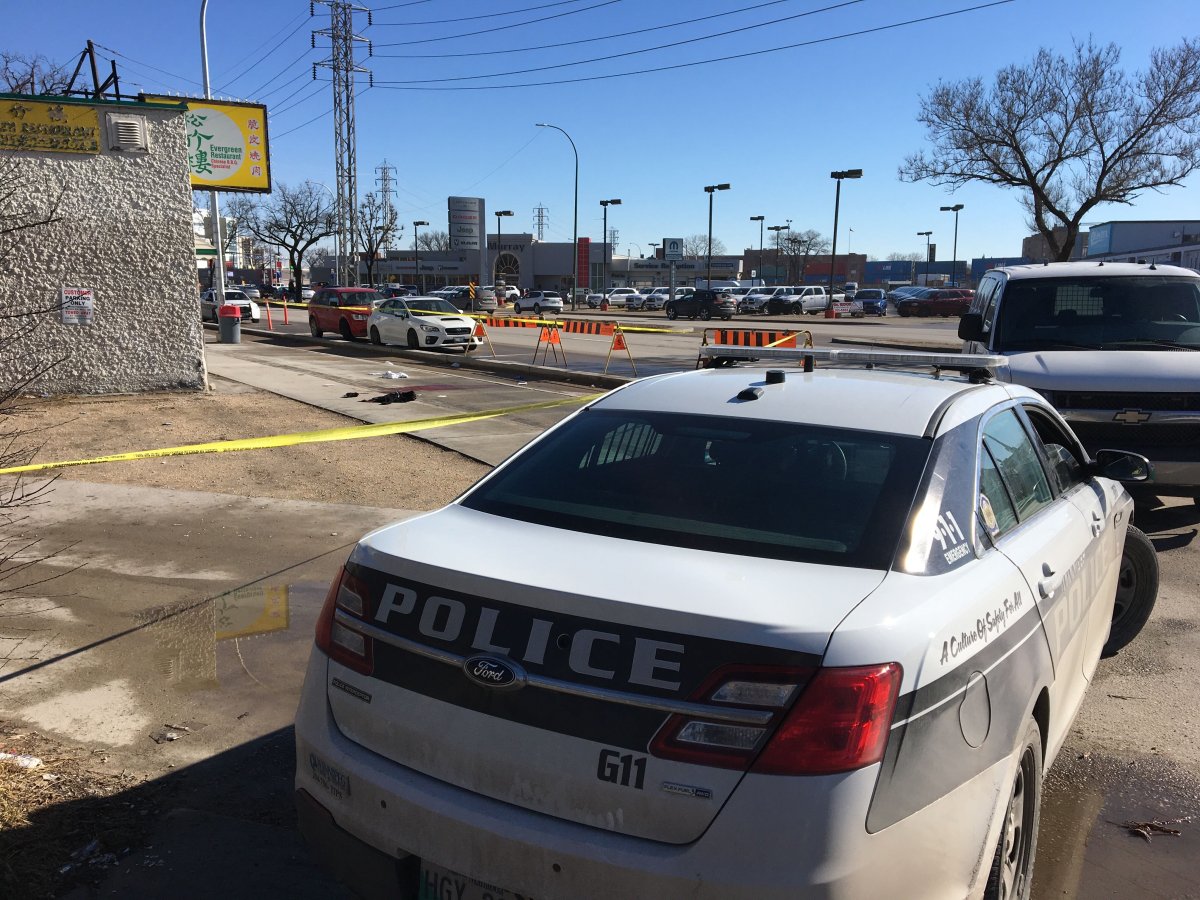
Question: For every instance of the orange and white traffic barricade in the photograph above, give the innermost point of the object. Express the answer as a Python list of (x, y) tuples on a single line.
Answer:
[(750, 338), (619, 343), (550, 335), (480, 332)]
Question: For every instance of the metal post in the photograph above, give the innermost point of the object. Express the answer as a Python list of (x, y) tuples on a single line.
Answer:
[(777, 229), (214, 208), (496, 269), (711, 189), (417, 258), (604, 283), (759, 220), (575, 227), (837, 201), (926, 235), (954, 265)]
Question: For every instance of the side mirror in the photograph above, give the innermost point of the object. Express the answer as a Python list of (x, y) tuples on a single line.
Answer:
[(1121, 465), (970, 327)]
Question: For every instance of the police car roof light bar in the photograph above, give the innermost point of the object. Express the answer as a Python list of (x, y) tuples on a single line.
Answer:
[(959, 362)]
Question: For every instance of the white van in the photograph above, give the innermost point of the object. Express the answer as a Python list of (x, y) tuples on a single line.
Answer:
[(1113, 346)]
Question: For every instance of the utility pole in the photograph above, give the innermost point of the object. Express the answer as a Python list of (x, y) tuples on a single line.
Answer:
[(541, 216), (386, 174), (343, 68)]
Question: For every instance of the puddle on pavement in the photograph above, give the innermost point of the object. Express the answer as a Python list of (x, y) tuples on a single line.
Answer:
[(1083, 849), (253, 635)]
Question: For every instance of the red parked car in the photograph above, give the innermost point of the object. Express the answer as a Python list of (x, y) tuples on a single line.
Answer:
[(936, 302), (344, 310)]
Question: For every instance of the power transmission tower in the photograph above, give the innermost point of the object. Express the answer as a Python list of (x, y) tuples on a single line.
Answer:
[(386, 173), (541, 218), (342, 67)]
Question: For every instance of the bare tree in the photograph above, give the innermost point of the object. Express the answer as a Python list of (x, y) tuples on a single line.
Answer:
[(322, 256), (376, 228), (433, 241), (20, 74), (906, 257), (800, 245), (1068, 132), (695, 246), (294, 218)]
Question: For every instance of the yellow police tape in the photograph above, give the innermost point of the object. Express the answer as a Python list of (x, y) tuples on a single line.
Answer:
[(345, 433)]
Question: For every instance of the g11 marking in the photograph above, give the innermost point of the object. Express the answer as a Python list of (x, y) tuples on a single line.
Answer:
[(618, 768)]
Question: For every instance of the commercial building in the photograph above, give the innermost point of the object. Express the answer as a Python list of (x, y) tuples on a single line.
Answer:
[(1171, 242), (98, 279)]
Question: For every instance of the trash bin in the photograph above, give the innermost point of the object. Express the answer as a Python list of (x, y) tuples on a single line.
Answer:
[(229, 319)]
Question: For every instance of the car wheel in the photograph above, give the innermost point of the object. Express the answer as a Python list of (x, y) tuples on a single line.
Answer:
[(313, 328), (537, 310), (797, 309), (1011, 875), (516, 308), (375, 336), (344, 330), (414, 342), (1137, 590), (904, 313), (705, 313), (672, 313)]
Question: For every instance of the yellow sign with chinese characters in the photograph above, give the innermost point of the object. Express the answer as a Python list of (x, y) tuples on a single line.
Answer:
[(48, 127), (226, 142)]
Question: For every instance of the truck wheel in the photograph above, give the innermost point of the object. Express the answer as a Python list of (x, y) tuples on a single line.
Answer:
[(1137, 590)]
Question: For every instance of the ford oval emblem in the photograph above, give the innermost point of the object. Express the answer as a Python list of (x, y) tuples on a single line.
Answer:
[(494, 672)]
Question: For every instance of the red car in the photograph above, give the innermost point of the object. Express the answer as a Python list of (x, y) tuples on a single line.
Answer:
[(936, 302), (344, 310)]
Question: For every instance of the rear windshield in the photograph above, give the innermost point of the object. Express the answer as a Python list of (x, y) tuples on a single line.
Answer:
[(753, 488), (1143, 312)]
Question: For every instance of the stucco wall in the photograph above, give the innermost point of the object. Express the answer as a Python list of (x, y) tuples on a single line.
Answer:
[(124, 230)]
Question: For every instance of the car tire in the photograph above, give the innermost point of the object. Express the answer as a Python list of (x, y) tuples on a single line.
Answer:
[(375, 339), (797, 309), (313, 328), (705, 314), (1137, 590), (1011, 874), (516, 308), (672, 313), (344, 330), (904, 313), (413, 341), (537, 310)]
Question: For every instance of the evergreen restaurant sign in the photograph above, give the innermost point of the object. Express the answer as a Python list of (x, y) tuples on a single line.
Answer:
[(48, 127), (226, 142)]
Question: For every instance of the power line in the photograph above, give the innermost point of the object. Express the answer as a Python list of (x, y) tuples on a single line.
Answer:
[(612, 56), (511, 12), (256, 60), (276, 137), (589, 40), (398, 5), (148, 66), (304, 99), (454, 37), (704, 62), (303, 73)]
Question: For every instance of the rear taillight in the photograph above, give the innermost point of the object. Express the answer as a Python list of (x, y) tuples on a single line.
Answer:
[(840, 723), (337, 637), (730, 745), (823, 721)]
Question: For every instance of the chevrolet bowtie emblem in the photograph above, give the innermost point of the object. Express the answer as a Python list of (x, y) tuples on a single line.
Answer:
[(1131, 416)]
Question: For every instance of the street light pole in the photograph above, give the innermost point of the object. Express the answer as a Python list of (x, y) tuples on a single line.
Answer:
[(954, 265), (496, 265), (759, 220), (604, 278), (777, 229), (214, 209), (926, 235), (337, 244), (417, 258), (837, 202), (575, 227), (711, 189)]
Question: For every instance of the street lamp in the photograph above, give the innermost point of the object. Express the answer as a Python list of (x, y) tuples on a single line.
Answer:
[(837, 202), (777, 229), (417, 258), (710, 190), (575, 228), (926, 234), (496, 268), (759, 220), (214, 209), (954, 265), (604, 278), (337, 245)]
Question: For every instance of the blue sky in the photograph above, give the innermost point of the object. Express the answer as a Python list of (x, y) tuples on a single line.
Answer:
[(773, 124)]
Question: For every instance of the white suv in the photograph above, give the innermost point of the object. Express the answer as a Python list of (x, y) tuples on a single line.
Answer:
[(785, 634)]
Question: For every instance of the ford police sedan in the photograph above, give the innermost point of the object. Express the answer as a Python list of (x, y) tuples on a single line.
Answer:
[(786, 634)]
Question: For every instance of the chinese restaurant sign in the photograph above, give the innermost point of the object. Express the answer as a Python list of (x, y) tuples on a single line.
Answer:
[(53, 127), (227, 143)]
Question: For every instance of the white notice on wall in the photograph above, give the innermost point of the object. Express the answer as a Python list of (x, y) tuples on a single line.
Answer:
[(78, 306)]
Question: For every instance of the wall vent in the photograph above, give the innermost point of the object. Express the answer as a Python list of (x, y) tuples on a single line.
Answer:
[(128, 134)]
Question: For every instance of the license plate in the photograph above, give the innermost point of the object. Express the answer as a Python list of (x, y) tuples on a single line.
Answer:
[(442, 884), (456, 340)]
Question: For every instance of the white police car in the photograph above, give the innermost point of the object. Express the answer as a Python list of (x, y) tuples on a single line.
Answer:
[(786, 634)]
